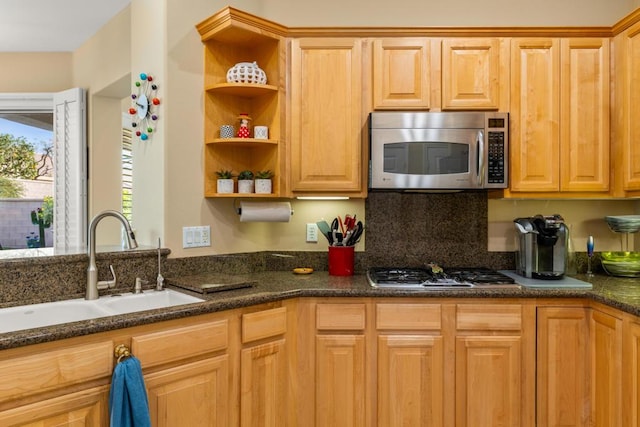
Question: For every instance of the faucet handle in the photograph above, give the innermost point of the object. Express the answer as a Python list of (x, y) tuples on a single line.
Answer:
[(138, 286), (104, 284)]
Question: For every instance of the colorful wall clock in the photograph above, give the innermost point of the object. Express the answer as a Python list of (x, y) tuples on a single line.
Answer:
[(144, 116)]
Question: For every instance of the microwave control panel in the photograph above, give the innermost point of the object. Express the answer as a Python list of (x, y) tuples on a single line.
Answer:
[(496, 162)]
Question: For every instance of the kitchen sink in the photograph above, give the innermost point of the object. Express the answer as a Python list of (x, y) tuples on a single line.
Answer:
[(59, 312), (50, 313), (129, 303)]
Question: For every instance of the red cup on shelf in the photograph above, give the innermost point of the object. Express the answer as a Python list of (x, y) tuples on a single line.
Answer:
[(341, 260)]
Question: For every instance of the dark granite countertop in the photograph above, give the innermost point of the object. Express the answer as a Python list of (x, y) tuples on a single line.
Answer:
[(620, 293)]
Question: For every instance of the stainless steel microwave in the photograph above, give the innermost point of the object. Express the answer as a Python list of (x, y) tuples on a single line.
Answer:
[(438, 151)]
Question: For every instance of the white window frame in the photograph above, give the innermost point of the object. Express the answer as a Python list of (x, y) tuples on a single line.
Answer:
[(70, 168)]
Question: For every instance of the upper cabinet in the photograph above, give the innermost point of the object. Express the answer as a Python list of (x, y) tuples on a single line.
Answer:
[(232, 37), (403, 73), (473, 71), (440, 74), (321, 84), (559, 117), (626, 111), (326, 117)]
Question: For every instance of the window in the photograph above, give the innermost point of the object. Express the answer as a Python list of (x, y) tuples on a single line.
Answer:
[(65, 114)]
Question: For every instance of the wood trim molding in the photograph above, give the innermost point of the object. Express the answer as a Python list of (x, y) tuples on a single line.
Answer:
[(626, 22)]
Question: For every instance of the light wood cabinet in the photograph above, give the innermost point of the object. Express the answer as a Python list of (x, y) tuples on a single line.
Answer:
[(403, 71), (495, 359), (563, 366), (606, 369), (231, 37), (197, 393), (56, 386), (559, 117), (326, 153), (194, 394), (263, 368), (473, 71), (340, 365), (626, 149), (631, 372), (411, 365)]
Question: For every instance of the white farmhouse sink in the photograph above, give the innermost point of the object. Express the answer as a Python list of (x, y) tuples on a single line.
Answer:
[(58, 312)]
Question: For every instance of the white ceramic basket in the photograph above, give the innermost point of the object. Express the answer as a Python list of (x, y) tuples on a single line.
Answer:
[(246, 72)]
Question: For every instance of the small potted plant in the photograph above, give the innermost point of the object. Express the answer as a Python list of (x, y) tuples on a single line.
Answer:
[(245, 182), (263, 181), (225, 181)]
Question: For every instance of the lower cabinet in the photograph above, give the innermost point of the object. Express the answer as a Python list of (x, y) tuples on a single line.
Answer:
[(563, 366), (411, 364), (263, 369), (194, 394), (340, 365), (606, 373), (495, 361), (631, 369)]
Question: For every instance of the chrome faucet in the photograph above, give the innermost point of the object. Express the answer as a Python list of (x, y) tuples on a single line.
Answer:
[(92, 272)]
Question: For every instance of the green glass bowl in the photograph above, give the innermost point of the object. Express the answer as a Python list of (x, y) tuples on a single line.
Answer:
[(620, 256)]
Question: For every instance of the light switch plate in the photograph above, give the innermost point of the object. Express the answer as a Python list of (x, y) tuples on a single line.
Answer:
[(312, 233), (196, 237)]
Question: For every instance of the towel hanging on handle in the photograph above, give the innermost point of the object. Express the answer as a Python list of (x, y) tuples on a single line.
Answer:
[(128, 404)]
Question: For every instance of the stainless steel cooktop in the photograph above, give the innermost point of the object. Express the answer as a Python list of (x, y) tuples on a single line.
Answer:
[(433, 277)]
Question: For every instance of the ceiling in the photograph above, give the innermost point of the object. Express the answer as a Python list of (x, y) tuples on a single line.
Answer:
[(53, 25)]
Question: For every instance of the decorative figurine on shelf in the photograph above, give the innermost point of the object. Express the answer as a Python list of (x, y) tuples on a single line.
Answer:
[(243, 131)]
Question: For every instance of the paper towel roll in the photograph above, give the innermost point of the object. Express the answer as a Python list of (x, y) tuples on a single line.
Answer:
[(265, 211)]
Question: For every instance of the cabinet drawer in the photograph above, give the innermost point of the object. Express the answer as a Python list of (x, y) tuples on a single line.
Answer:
[(264, 324), (37, 373), (408, 316), (489, 317), (340, 316), (180, 343)]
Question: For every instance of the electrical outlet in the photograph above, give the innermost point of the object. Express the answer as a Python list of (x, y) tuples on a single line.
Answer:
[(312, 233), (196, 237)]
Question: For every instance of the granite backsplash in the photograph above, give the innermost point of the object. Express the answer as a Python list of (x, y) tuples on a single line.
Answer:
[(402, 229)]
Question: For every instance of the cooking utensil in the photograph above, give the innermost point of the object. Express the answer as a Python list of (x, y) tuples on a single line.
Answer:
[(355, 235), (324, 228)]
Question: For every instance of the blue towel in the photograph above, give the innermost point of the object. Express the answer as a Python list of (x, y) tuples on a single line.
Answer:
[(128, 404)]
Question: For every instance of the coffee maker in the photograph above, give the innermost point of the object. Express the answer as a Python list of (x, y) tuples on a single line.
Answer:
[(542, 247)]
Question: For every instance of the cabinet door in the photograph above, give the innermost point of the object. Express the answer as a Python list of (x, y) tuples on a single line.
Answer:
[(326, 152), (631, 379), (563, 364), (402, 73), (471, 74), (410, 380), (606, 355), (584, 114), (87, 408), (340, 380), (263, 385), (535, 114), (195, 394), (627, 94), (488, 381)]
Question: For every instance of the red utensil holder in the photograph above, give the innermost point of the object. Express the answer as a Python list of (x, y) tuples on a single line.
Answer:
[(341, 260)]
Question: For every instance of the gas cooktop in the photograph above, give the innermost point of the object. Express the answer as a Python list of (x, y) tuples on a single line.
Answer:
[(434, 277)]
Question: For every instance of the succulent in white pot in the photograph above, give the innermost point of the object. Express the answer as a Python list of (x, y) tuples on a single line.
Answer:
[(245, 182), (225, 181), (263, 182)]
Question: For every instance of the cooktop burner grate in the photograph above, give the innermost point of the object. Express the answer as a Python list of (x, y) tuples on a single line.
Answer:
[(425, 278)]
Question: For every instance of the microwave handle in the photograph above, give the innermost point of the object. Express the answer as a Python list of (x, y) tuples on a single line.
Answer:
[(480, 160)]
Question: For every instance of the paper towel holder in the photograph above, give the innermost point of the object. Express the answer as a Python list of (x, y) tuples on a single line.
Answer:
[(238, 209)]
